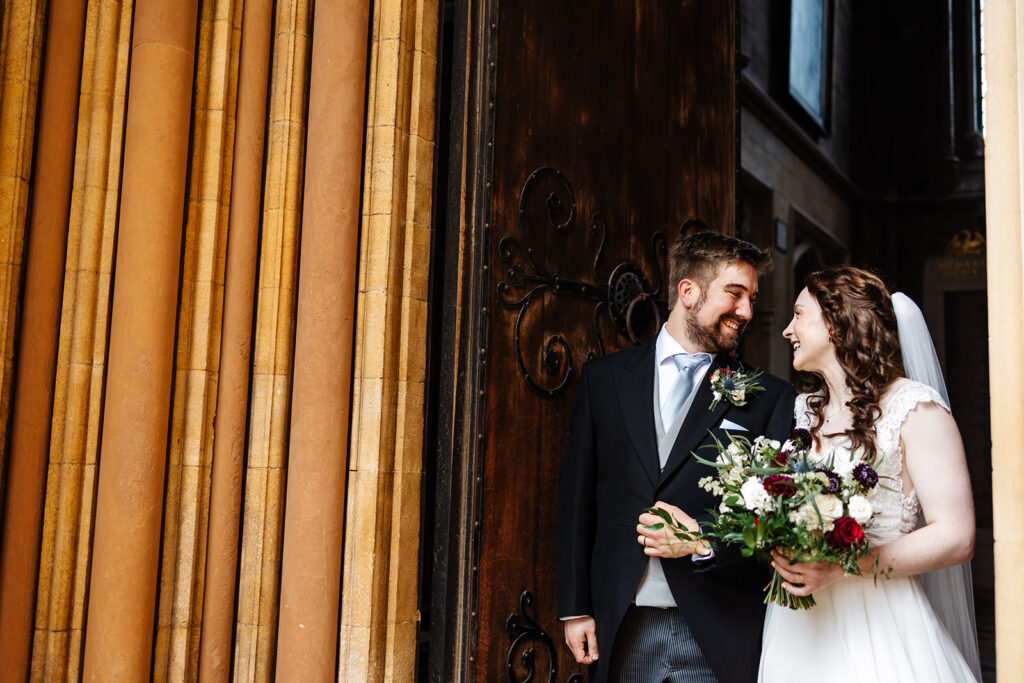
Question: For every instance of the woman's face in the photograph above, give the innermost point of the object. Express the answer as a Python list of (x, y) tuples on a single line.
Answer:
[(812, 350)]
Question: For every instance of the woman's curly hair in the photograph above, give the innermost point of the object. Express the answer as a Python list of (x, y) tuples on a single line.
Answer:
[(858, 314)]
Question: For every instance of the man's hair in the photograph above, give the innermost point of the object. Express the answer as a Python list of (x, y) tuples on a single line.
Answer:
[(701, 255)]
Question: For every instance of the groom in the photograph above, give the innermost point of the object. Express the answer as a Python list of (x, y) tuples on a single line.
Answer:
[(638, 604)]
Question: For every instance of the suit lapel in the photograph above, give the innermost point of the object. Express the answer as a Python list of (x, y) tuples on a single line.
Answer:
[(698, 421), (635, 384)]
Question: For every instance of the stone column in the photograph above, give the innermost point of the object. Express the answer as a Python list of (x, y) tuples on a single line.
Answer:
[(236, 339), (123, 576), (379, 620), (311, 570), (21, 43), (259, 561), (1004, 194), (82, 351), (40, 326)]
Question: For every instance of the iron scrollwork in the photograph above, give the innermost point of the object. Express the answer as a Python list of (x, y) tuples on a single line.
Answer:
[(626, 296), (522, 630)]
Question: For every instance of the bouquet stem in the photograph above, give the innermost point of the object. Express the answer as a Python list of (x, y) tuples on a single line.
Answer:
[(775, 593)]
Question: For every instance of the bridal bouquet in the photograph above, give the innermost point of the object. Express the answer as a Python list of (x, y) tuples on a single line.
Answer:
[(773, 494)]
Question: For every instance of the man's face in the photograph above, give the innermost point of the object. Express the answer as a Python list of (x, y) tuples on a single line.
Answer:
[(723, 309)]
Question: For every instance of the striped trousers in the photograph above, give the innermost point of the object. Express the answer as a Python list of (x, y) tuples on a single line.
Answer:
[(654, 645)]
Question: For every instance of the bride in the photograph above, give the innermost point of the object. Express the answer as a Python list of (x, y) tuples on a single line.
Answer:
[(858, 403)]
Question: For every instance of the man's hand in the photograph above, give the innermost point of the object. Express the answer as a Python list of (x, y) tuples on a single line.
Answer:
[(581, 637), (662, 542)]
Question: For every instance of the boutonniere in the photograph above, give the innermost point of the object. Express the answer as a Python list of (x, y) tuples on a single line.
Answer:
[(734, 386)]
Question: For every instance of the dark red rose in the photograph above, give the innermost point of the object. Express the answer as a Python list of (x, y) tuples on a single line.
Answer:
[(779, 485), (846, 533), (782, 457)]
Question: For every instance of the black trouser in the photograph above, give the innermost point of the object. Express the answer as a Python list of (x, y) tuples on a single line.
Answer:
[(654, 645)]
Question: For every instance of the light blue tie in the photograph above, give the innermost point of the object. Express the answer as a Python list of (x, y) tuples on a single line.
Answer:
[(688, 366)]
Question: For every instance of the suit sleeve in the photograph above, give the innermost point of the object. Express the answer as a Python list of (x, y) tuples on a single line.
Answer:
[(576, 507)]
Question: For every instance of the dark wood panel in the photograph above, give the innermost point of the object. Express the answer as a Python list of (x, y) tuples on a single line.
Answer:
[(634, 104)]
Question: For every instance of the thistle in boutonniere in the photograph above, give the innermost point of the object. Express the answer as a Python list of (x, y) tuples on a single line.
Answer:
[(734, 386)]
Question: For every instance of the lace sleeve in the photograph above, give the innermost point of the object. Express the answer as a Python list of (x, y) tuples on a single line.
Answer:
[(898, 405), (801, 415)]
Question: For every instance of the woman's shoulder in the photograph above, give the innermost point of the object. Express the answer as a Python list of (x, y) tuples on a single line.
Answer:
[(901, 399), (905, 392)]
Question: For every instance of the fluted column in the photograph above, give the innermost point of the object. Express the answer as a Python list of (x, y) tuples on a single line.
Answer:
[(236, 340), (382, 515), (311, 565), (190, 454), (1004, 195), (270, 394), (21, 41), (123, 576), (37, 348), (81, 355)]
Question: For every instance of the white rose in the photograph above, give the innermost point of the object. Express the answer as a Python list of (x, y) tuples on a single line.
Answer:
[(739, 394), (805, 517), (860, 509), (830, 508), (755, 498)]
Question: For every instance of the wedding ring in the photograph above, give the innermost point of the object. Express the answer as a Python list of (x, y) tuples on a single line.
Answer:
[(645, 541)]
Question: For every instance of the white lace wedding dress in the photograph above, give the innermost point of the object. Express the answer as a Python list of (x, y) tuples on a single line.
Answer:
[(862, 630)]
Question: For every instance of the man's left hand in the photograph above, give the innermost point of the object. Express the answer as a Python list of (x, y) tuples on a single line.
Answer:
[(662, 542)]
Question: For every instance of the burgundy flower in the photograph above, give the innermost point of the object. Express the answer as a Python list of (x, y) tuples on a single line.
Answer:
[(865, 474), (801, 435), (846, 533), (782, 457), (833, 482), (779, 485)]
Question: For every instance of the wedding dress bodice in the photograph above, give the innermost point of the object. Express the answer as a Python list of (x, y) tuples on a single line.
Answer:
[(896, 513)]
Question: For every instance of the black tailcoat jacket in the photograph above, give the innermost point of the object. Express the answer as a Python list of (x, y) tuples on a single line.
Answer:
[(610, 472)]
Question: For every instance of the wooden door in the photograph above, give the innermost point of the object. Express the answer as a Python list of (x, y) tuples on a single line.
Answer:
[(613, 122)]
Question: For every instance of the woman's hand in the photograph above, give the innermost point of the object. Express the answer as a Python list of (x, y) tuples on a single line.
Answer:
[(662, 542), (804, 578)]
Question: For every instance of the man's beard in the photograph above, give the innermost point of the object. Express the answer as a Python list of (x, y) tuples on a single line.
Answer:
[(710, 337)]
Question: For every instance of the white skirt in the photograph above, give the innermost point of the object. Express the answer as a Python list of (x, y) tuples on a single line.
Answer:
[(861, 631)]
